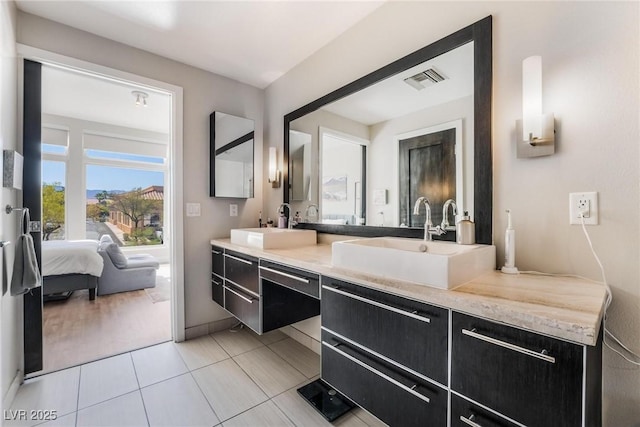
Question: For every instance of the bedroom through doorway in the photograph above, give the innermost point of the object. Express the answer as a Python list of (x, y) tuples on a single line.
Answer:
[(105, 162)]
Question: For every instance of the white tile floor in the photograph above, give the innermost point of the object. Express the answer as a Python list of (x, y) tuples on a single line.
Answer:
[(225, 379)]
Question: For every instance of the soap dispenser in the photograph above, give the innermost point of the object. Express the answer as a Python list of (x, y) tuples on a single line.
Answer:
[(465, 230)]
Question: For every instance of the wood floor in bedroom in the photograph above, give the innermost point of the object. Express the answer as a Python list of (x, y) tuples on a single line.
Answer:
[(78, 330)]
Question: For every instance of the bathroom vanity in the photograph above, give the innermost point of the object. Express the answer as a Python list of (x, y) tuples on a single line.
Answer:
[(500, 350)]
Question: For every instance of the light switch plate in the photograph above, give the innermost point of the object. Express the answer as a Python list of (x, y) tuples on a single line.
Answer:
[(193, 209), (233, 210)]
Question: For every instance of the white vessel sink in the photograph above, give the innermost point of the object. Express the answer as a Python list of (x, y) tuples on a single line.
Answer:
[(439, 264), (273, 238)]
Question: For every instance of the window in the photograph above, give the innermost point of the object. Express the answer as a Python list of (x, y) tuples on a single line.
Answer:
[(53, 200), (125, 202)]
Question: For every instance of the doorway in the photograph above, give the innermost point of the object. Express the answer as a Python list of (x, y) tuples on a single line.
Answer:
[(79, 150), (343, 172)]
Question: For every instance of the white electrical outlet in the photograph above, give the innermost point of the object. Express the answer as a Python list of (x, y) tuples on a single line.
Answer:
[(585, 202), (233, 210)]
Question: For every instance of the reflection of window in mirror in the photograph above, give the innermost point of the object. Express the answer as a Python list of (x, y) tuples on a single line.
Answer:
[(343, 180)]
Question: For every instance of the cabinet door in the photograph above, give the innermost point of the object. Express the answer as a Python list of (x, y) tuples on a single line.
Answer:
[(242, 270), (217, 289), (409, 332), (217, 261), (243, 305), (392, 395), (530, 378), (467, 414), (293, 278)]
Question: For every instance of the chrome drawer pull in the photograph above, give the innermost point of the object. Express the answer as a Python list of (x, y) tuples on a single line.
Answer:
[(469, 421), (290, 276), (238, 259), (215, 252), (376, 372), (249, 300), (542, 356), (378, 304), (215, 283)]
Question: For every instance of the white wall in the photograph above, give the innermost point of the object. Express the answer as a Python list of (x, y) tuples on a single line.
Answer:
[(10, 307), (204, 93), (590, 59)]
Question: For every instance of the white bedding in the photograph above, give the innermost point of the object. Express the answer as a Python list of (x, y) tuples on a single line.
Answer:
[(71, 257)]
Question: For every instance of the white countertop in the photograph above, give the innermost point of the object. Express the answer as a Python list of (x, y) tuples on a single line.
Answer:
[(562, 307)]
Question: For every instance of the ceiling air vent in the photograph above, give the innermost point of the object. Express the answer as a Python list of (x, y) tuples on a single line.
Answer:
[(424, 79)]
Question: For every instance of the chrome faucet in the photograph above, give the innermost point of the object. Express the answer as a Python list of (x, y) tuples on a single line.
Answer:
[(429, 229), (289, 216), (445, 214)]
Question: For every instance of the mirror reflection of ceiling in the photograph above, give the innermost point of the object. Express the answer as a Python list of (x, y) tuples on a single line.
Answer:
[(85, 97), (394, 98), (228, 129), (242, 153)]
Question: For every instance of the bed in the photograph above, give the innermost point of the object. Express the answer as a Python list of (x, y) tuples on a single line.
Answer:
[(70, 265)]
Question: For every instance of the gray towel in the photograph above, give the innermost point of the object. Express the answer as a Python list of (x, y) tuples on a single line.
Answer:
[(26, 274)]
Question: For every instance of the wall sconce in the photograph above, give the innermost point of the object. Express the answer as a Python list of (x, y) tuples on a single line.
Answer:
[(274, 173), (536, 131), (12, 173)]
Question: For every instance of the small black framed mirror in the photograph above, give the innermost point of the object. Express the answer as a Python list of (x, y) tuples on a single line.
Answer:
[(231, 162)]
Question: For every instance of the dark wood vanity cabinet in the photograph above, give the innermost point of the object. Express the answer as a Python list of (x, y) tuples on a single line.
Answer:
[(263, 295), (389, 392), (530, 378), (465, 413), (288, 295), (411, 363), (411, 333), (394, 357), (242, 271), (387, 353), (217, 274)]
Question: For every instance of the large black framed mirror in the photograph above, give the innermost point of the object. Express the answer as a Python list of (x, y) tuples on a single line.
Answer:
[(366, 198), (231, 156)]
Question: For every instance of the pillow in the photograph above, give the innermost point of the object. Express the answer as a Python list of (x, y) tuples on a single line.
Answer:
[(105, 240), (117, 257)]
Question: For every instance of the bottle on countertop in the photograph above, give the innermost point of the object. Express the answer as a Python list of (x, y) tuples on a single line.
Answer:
[(465, 230), (297, 218), (260, 220), (269, 223), (282, 221)]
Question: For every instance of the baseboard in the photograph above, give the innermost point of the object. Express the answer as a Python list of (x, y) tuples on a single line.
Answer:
[(209, 328), (7, 400)]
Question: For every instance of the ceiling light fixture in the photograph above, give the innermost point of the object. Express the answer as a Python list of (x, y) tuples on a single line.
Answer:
[(141, 97)]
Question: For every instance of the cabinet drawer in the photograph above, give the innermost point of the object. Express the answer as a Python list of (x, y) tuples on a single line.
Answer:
[(243, 305), (411, 333), (242, 270), (467, 414), (530, 378), (397, 398), (217, 289), (217, 261), (293, 278)]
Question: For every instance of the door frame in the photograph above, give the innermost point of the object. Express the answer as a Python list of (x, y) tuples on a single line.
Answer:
[(461, 162), (175, 198)]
